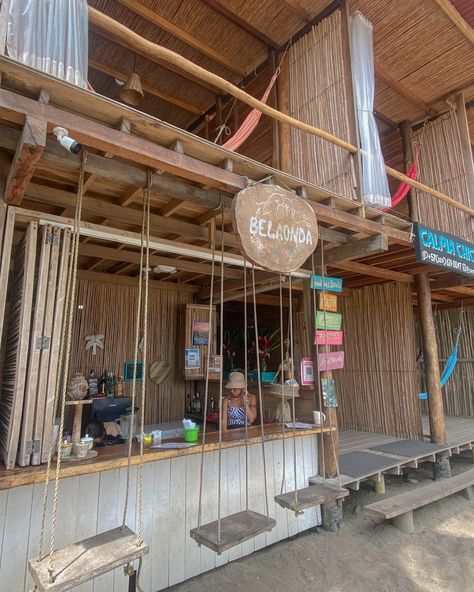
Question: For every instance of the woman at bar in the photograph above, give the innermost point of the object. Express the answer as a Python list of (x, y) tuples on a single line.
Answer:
[(238, 404)]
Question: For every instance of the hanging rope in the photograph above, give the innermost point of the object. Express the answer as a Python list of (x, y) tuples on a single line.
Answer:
[(65, 358), (283, 402), (262, 431), (221, 397), (246, 390), (293, 407), (320, 396)]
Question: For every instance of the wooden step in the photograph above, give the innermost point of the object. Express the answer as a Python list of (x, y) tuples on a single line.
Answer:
[(234, 529), (87, 559), (314, 495)]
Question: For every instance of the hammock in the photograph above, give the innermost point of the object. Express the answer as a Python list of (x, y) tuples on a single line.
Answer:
[(251, 121), (404, 188), (450, 364)]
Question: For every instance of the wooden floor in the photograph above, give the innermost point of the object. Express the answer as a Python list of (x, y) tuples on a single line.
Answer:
[(362, 459)]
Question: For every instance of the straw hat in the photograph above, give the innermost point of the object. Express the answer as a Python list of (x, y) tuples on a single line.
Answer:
[(236, 380), (159, 371)]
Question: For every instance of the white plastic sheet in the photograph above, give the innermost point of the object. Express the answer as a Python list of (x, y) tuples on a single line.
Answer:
[(50, 35), (374, 179)]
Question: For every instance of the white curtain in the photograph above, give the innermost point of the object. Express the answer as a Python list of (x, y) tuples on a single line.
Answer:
[(50, 35), (374, 179)]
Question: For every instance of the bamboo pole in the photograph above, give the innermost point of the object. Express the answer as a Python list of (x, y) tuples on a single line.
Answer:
[(162, 55), (430, 355)]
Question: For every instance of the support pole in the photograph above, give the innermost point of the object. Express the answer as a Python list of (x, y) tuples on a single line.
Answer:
[(405, 130), (430, 353), (272, 60), (284, 137), (465, 145)]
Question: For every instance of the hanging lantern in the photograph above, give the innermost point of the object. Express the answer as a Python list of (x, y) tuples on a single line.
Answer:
[(132, 92)]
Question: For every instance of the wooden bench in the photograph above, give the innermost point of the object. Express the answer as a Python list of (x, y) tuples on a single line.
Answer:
[(399, 508)]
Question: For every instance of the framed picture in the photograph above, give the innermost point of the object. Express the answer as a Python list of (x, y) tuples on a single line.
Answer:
[(307, 373), (200, 333), (192, 359), (133, 371), (329, 392)]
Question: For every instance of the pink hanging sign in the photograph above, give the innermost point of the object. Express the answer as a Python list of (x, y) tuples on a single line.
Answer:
[(331, 361), (328, 338)]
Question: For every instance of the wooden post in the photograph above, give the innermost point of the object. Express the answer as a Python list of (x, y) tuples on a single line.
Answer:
[(405, 130), (465, 145), (219, 119), (430, 353), (275, 124), (4, 8), (284, 136)]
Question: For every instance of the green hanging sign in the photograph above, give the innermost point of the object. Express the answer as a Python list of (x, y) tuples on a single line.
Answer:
[(330, 321)]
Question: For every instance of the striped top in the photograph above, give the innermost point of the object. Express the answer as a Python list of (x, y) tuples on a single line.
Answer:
[(235, 416)]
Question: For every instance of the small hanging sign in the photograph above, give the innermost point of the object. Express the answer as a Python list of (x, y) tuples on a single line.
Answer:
[(330, 321), (276, 229), (328, 338), (328, 301), (331, 361), (330, 284)]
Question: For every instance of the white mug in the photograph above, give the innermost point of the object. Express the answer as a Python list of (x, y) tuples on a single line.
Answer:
[(318, 418)]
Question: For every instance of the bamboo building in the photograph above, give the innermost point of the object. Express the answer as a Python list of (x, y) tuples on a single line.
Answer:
[(130, 132)]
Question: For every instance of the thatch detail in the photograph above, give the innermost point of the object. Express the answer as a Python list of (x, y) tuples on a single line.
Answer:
[(378, 388)]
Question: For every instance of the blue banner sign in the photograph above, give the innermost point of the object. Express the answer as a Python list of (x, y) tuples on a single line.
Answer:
[(330, 284), (441, 249)]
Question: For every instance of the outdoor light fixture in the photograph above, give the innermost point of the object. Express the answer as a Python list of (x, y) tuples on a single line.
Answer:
[(66, 142), (164, 269)]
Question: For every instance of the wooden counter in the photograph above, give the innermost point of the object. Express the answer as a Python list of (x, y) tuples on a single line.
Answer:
[(115, 457)]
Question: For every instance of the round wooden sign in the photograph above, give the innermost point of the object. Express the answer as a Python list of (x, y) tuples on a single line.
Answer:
[(276, 229)]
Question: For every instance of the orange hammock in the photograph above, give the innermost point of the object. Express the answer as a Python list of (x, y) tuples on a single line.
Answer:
[(250, 122), (404, 188)]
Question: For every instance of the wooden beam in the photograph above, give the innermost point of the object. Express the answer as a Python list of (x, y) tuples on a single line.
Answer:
[(93, 276), (465, 290), (373, 244), (373, 271), (29, 150), (123, 255), (127, 146), (152, 90), (129, 216), (153, 17), (382, 74), (454, 16), (466, 148), (261, 277), (170, 208), (151, 49), (237, 20), (297, 9), (430, 349)]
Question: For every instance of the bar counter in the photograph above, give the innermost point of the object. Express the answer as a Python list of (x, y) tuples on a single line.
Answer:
[(115, 457)]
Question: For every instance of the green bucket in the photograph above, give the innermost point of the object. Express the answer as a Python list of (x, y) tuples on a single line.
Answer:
[(191, 434)]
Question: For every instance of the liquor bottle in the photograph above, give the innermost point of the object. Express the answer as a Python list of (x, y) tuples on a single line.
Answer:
[(197, 403), (188, 404)]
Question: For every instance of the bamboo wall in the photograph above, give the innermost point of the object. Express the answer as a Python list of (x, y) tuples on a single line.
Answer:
[(379, 386), (110, 309), (319, 75), (459, 390), (441, 166)]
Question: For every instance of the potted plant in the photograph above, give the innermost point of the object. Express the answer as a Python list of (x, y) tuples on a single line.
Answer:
[(267, 343)]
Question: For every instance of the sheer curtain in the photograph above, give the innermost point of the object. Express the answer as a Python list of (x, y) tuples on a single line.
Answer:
[(374, 179), (50, 35)]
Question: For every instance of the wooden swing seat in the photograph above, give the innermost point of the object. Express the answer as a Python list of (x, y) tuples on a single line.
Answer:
[(314, 495), (235, 529), (87, 559)]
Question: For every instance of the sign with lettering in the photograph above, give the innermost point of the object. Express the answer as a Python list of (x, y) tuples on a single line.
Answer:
[(276, 229), (330, 284), (328, 338), (330, 321), (441, 249), (327, 301), (331, 361)]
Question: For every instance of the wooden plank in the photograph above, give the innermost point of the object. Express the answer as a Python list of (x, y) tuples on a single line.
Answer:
[(234, 498), (45, 352), (373, 244), (29, 150), (15, 364), (4, 8), (87, 559), (94, 276), (235, 529), (454, 16), (59, 306), (177, 532), (311, 496), (7, 228), (34, 354), (161, 525), (411, 500)]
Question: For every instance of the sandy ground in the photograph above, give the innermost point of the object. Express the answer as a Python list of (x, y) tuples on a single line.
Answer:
[(363, 557)]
